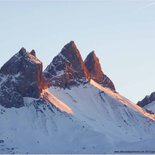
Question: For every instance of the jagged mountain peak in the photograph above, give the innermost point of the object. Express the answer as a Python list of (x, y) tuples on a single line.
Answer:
[(71, 44), (67, 68), (33, 52), (71, 52), (93, 66), (22, 51), (92, 54), (21, 75), (70, 47), (18, 62), (93, 58)]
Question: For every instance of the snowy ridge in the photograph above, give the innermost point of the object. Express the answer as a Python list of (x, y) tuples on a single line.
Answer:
[(108, 113), (123, 100), (56, 102)]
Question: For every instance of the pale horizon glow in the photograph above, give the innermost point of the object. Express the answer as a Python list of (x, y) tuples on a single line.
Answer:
[(122, 33)]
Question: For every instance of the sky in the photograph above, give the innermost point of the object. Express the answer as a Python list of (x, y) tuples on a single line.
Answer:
[(122, 33)]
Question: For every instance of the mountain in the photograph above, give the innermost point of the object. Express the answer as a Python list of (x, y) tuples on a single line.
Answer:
[(44, 113), (20, 77), (94, 68), (67, 68), (148, 102)]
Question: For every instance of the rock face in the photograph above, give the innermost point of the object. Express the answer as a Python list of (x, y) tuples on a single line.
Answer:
[(33, 53), (147, 100), (9, 97), (20, 77), (94, 68), (67, 68)]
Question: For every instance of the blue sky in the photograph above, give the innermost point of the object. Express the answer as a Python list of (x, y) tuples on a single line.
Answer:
[(122, 32)]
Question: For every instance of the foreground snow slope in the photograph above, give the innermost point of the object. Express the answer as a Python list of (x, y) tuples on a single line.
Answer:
[(41, 128), (108, 113)]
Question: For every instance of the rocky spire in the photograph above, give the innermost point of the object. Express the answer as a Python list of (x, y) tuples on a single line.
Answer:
[(94, 68), (22, 51), (33, 53), (67, 68), (23, 75)]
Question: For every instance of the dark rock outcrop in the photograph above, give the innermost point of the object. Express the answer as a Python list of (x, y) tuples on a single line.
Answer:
[(67, 68), (33, 53), (147, 100), (20, 77), (94, 68)]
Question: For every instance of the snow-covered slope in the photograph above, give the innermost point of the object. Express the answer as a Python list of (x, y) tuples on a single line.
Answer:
[(109, 113), (41, 128), (122, 100)]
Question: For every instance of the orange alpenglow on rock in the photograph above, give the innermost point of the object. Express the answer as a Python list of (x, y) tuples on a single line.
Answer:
[(67, 68), (94, 68)]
